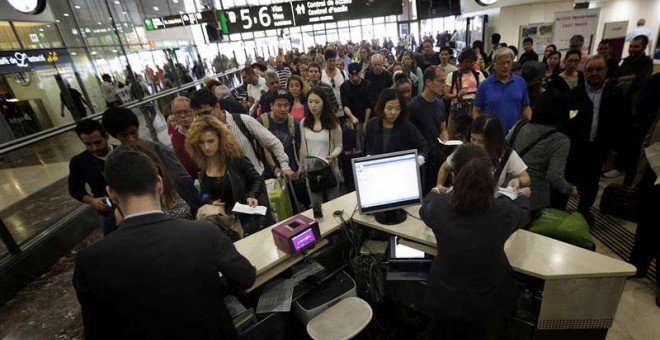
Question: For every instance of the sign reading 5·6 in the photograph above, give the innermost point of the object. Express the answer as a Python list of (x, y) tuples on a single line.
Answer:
[(257, 18)]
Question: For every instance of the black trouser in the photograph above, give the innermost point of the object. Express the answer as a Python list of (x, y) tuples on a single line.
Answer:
[(647, 236), (584, 170)]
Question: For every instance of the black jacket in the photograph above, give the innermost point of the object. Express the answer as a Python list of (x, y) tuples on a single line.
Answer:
[(84, 168), (471, 276), (245, 182), (156, 277), (232, 105), (405, 136), (560, 84), (613, 121)]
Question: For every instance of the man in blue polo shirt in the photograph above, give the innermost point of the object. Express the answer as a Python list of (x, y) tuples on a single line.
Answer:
[(503, 94)]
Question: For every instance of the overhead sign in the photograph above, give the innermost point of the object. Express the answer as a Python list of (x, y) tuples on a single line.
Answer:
[(299, 13), (25, 60), (186, 19), (569, 23)]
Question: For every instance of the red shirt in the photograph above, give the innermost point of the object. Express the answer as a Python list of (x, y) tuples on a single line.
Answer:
[(179, 144)]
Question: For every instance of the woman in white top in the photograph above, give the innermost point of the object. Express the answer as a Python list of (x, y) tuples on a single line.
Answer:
[(321, 140), (487, 132)]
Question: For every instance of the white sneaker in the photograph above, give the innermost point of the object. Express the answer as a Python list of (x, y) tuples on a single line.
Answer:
[(613, 173)]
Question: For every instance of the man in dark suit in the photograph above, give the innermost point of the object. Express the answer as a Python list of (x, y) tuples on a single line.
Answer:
[(598, 119), (156, 277)]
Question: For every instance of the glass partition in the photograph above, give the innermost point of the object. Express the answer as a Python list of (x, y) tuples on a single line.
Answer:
[(34, 192)]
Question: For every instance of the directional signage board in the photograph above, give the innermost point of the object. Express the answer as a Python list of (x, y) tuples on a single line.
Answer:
[(178, 20), (257, 18), (313, 12), (299, 13)]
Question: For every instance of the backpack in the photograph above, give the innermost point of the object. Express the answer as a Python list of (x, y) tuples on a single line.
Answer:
[(456, 79), (256, 147), (265, 119)]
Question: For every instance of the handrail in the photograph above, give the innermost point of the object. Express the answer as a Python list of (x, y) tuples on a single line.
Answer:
[(49, 133)]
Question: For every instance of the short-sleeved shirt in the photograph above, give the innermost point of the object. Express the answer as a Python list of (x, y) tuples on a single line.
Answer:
[(318, 143), (256, 91), (468, 83), (513, 167), (503, 100), (427, 116)]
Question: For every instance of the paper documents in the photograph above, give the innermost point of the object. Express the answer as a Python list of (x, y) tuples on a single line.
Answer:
[(276, 297), (246, 209), (653, 156), (508, 192), (450, 142)]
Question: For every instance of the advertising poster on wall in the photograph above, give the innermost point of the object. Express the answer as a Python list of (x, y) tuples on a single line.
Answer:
[(541, 34), (615, 32), (571, 22)]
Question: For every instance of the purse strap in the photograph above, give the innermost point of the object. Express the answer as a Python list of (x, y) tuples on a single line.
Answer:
[(502, 164)]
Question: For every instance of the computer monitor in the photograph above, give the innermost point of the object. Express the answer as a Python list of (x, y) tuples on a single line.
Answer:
[(386, 183)]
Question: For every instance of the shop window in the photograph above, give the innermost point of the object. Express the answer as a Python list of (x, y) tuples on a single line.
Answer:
[(38, 35), (8, 39)]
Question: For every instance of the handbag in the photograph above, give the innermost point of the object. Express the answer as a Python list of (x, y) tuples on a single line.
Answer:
[(229, 224), (322, 178)]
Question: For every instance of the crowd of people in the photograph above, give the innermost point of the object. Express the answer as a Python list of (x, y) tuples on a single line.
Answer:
[(542, 128)]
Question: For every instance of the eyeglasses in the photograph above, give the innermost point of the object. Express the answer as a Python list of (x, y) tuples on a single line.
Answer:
[(504, 63), (181, 113)]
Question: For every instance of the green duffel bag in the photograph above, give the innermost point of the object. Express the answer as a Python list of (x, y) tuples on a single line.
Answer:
[(570, 228)]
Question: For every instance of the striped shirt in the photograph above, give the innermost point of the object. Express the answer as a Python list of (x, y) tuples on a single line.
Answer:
[(263, 136), (283, 75)]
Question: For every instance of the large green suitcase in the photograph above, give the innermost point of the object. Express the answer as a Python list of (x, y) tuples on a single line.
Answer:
[(279, 199)]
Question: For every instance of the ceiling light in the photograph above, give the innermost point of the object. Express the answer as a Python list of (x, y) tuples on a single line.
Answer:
[(73, 53), (175, 1), (124, 13), (116, 2), (76, 7), (66, 14), (93, 53), (99, 23), (57, 20), (180, 12), (155, 8), (115, 51)]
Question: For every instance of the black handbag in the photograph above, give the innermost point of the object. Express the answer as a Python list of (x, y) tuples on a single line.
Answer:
[(321, 179)]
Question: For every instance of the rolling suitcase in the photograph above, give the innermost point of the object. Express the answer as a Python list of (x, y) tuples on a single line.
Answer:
[(279, 198)]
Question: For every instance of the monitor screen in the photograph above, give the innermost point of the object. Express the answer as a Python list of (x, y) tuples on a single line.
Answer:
[(387, 181), (303, 239)]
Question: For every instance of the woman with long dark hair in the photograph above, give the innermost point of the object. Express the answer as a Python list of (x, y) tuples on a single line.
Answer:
[(470, 286), (487, 132), (321, 142), (570, 77), (390, 130), (414, 72), (549, 50), (552, 69), (298, 89)]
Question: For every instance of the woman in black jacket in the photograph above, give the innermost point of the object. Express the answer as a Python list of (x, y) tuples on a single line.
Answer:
[(390, 130), (470, 285), (227, 177)]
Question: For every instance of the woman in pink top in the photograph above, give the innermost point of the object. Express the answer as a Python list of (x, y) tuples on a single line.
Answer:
[(461, 88), (298, 89)]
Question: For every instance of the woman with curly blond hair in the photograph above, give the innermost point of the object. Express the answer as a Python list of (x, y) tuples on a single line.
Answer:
[(298, 89), (226, 176)]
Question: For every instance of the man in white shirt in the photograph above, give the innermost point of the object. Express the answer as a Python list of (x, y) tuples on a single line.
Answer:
[(333, 76), (256, 86), (109, 91)]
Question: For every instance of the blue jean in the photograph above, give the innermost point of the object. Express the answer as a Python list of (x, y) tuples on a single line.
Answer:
[(107, 223)]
